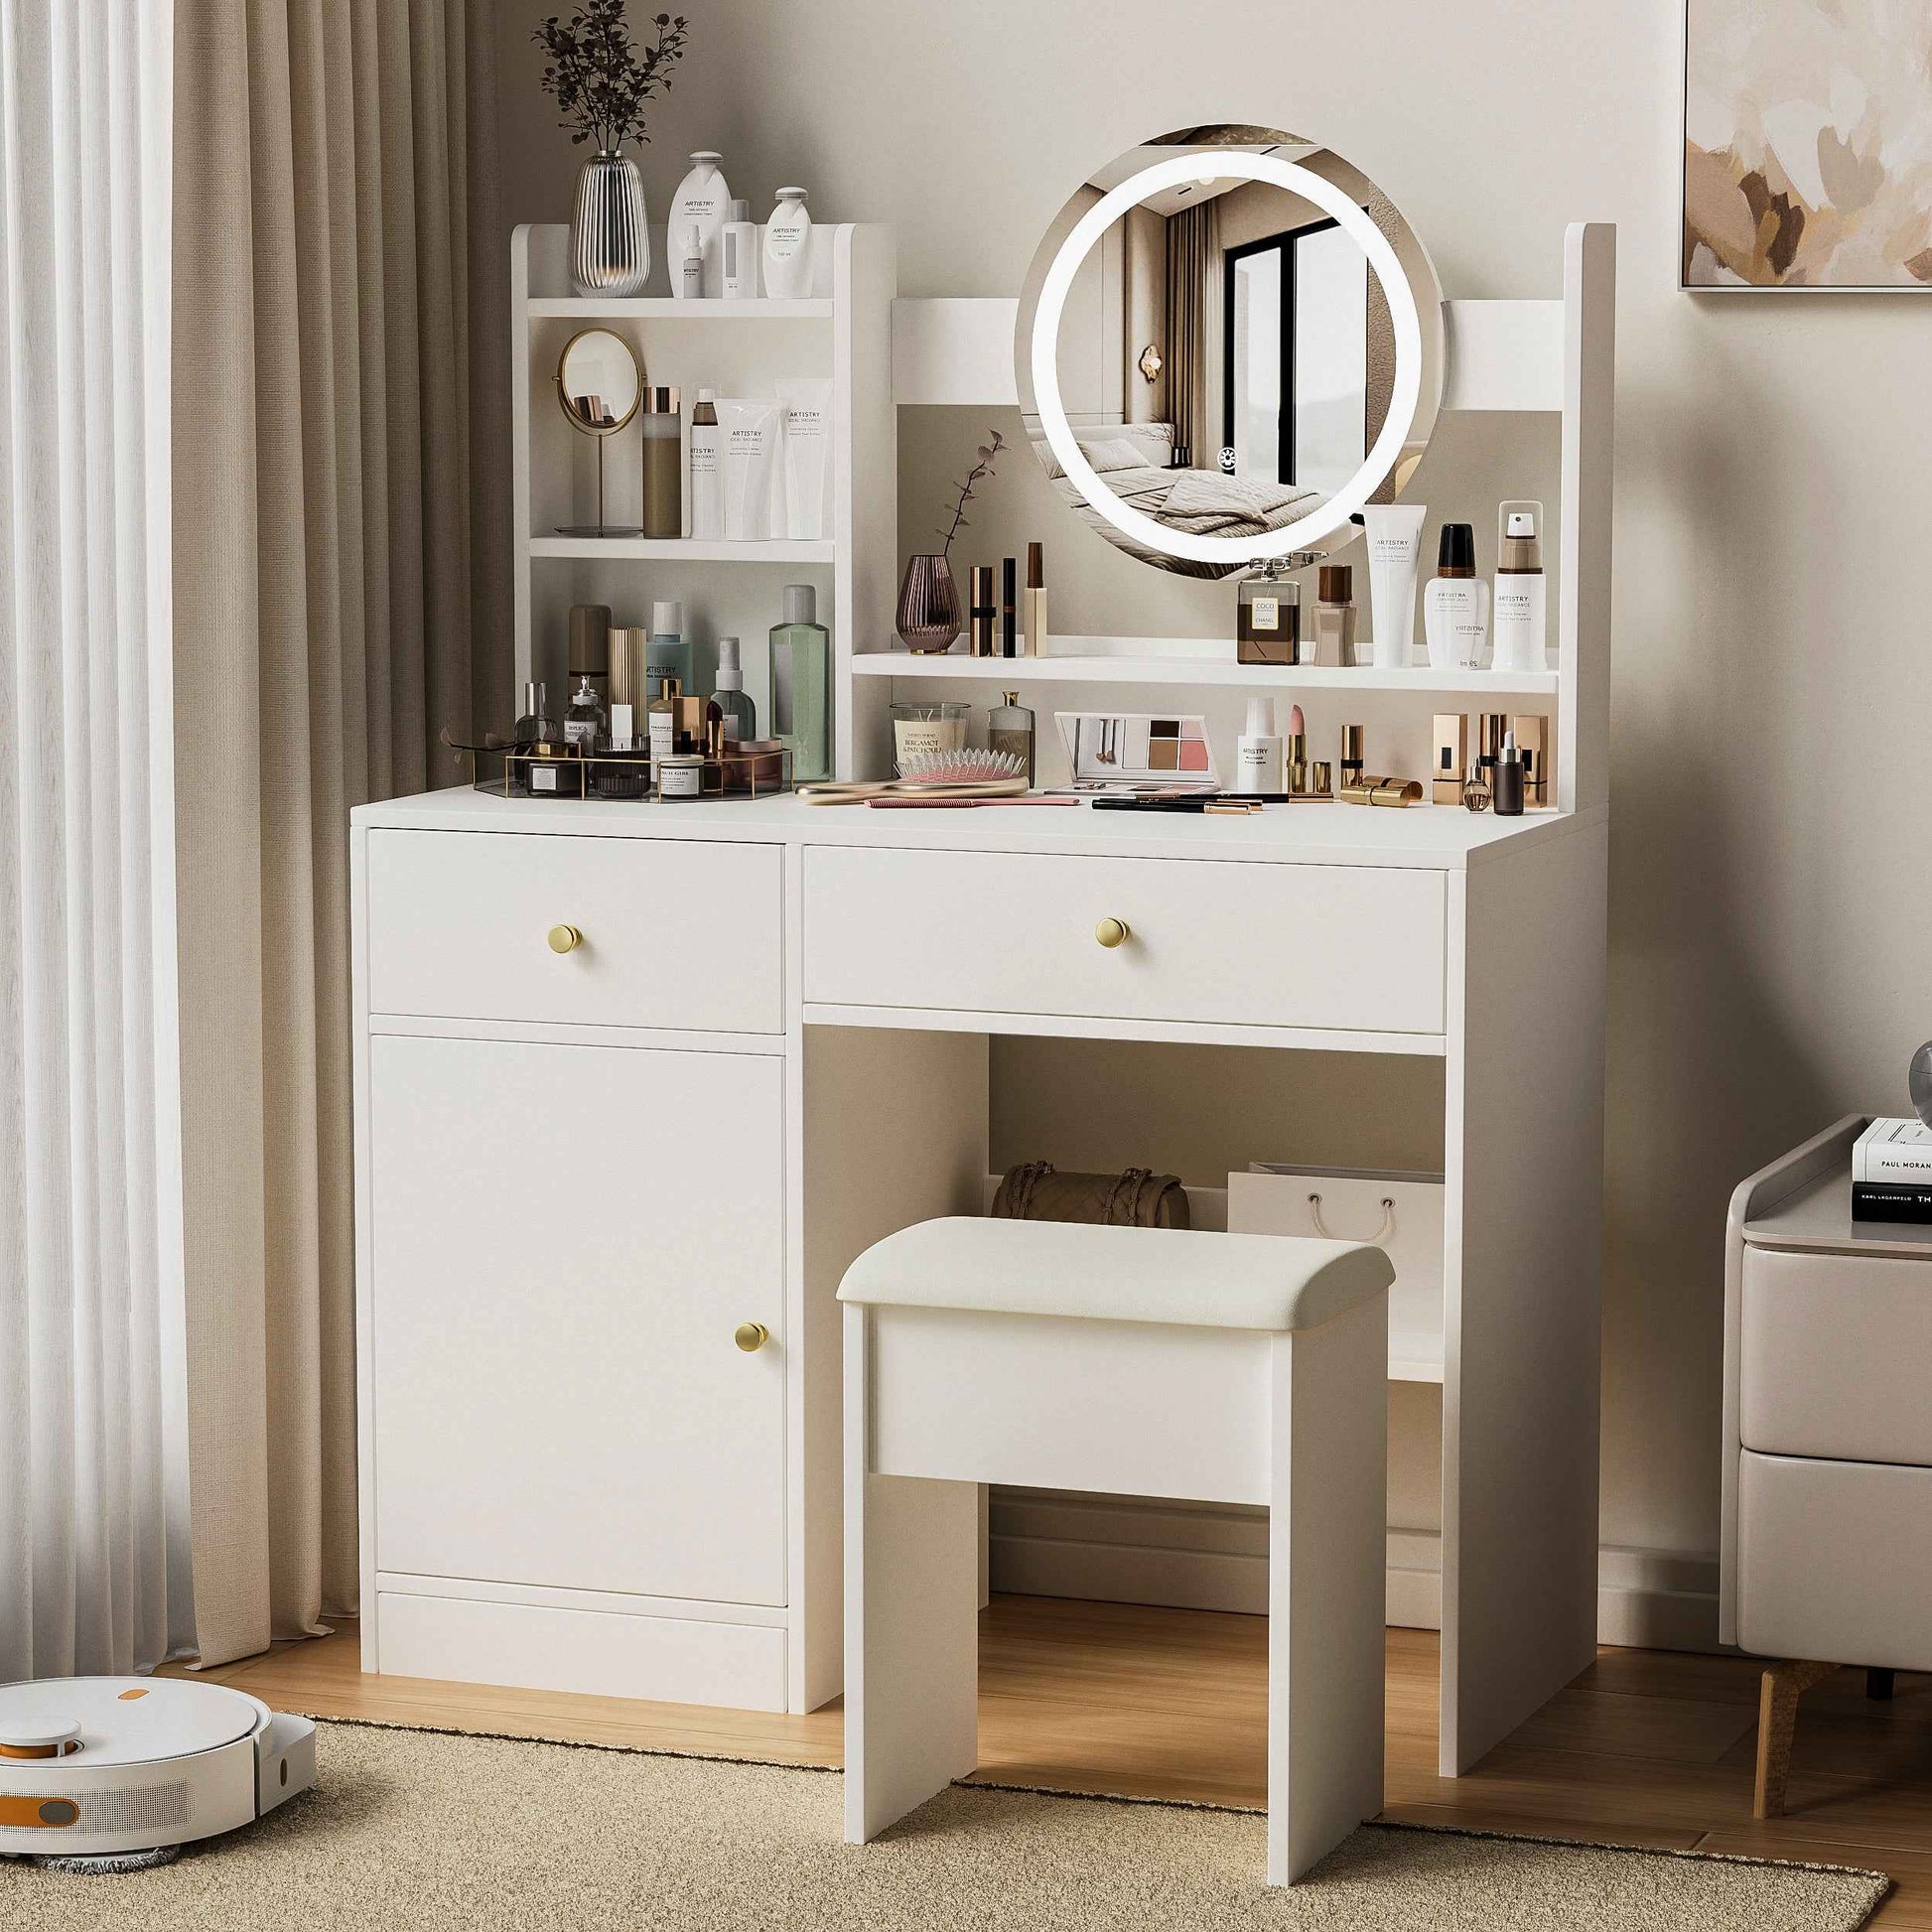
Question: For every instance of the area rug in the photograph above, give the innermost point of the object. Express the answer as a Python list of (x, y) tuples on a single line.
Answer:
[(426, 1831)]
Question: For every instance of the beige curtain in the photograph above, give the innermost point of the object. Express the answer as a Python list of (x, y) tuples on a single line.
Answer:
[(336, 602), (1193, 319)]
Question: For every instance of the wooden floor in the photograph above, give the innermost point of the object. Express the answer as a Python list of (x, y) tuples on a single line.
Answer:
[(1645, 1747)]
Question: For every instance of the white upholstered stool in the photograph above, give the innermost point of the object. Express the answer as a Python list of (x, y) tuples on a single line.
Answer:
[(1237, 1368)]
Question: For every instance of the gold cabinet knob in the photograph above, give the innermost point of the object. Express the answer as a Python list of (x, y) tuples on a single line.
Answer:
[(751, 1336), (1110, 933), (565, 938)]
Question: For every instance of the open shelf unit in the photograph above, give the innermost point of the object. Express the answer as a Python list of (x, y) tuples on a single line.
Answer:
[(842, 331)]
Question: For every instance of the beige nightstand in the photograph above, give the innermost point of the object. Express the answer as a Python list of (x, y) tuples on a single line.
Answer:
[(1828, 1439)]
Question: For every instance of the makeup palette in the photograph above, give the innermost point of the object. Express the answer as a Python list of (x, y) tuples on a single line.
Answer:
[(1105, 748)]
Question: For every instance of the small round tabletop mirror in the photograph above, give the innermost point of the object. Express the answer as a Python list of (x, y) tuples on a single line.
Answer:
[(598, 385), (1231, 341), (598, 381)]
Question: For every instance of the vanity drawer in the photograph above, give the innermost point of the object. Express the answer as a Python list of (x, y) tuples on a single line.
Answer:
[(1353, 947), (1835, 1356), (1832, 1561), (675, 932)]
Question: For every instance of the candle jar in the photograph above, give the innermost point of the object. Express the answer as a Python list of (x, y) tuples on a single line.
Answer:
[(918, 728)]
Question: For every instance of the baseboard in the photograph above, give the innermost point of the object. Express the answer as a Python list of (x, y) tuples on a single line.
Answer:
[(1214, 1557)]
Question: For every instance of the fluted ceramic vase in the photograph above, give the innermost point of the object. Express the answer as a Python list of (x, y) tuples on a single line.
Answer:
[(928, 604), (610, 232)]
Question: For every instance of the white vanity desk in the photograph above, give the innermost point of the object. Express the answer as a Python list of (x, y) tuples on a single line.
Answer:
[(577, 1173)]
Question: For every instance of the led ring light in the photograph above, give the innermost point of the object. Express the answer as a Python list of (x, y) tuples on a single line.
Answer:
[(1381, 460)]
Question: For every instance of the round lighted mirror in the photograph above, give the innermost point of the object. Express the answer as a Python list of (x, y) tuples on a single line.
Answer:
[(1231, 341), (598, 381)]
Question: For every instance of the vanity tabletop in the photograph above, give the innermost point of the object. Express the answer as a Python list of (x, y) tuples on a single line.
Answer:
[(1442, 837)]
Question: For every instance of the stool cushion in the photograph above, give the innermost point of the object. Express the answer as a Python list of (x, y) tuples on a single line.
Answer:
[(1109, 1273)]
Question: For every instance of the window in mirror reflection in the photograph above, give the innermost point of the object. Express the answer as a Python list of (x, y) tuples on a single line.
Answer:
[(1295, 389)]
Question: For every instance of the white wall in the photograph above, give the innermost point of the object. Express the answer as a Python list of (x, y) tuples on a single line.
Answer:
[(1770, 918)]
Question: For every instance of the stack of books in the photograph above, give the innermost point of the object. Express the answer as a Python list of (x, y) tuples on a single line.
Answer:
[(1891, 1173)]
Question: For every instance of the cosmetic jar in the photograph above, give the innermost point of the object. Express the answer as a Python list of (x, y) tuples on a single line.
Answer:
[(755, 765), (931, 727), (681, 775)]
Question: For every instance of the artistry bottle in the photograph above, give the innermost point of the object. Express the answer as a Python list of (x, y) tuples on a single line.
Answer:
[(739, 719), (686, 243), (669, 653), (1334, 614), (1456, 606), (1519, 588), (584, 722), (701, 205), (1258, 751), (789, 246), (1033, 604), (801, 685), (1009, 727), (706, 491), (661, 424), (740, 245)]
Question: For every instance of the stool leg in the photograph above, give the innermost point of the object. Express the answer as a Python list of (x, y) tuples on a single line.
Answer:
[(1328, 1558), (912, 1623)]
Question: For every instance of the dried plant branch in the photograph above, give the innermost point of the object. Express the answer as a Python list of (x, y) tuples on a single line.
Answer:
[(989, 454)]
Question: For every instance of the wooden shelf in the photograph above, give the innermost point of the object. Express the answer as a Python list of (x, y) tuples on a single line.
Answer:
[(1078, 667), (665, 308), (780, 550)]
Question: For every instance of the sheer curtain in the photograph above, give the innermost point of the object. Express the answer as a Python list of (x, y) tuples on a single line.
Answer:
[(93, 1575), (340, 304)]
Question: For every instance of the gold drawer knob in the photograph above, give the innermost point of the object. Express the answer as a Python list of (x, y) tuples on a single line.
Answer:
[(565, 938), (1110, 933), (751, 1336)]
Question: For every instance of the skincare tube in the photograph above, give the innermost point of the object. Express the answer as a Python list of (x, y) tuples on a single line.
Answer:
[(752, 431), (808, 453), (1394, 543)]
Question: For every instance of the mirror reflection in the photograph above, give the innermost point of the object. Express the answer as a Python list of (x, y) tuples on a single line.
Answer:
[(1226, 355), (598, 382)]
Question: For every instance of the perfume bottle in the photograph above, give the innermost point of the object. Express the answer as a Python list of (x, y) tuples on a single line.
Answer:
[(536, 725), (1009, 727), (1268, 613), (740, 718), (801, 685), (584, 722), (662, 720), (1334, 614)]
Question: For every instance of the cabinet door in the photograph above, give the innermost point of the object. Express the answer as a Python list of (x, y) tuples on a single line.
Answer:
[(563, 1240)]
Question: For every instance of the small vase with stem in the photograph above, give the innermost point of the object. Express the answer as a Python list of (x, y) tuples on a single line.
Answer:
[(929, 597)]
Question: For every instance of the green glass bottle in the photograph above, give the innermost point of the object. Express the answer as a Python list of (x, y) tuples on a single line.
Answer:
[(801, 685)]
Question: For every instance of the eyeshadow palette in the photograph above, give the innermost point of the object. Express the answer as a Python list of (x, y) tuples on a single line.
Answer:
[(1114, 749)]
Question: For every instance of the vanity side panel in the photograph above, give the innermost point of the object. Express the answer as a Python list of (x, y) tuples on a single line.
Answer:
[(1522, 1286), (892, 1128), (358, 968)]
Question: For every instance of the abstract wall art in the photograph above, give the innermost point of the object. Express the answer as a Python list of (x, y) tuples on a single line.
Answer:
[(1807, 144)]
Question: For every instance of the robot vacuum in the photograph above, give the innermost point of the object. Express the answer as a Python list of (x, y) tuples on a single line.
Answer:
[(119, 1773)]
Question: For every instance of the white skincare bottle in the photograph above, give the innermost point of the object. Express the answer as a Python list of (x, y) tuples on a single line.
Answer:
[(1456, 606), (687, 261), (739, 244), (703, 200), (788, 247), (706, 493), (1258, 751), (1519, 588)]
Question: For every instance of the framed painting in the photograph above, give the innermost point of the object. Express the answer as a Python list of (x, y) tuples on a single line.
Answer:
[(1807, 145)]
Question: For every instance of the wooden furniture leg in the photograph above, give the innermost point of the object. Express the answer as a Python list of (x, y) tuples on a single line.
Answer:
[(1879, 1682), (1777, 1716)]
